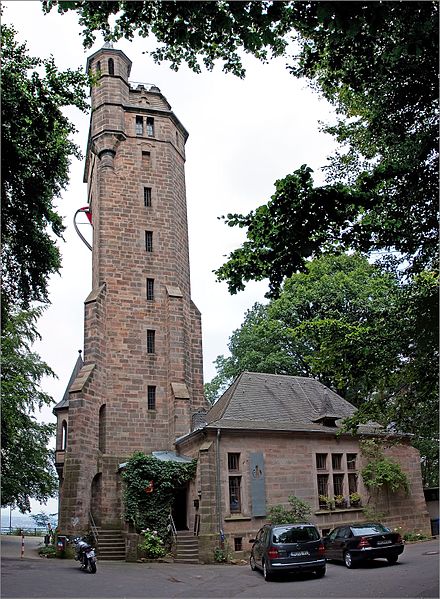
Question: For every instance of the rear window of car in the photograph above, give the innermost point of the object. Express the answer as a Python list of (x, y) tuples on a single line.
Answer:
[(369, 529), (300, 534)]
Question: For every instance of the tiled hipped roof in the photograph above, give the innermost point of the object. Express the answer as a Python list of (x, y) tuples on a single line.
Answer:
[(257, 401)]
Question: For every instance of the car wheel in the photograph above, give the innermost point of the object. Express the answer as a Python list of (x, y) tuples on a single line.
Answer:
[(320, 572), (392, 559), (348, 560), (266, 574), (252, 563)]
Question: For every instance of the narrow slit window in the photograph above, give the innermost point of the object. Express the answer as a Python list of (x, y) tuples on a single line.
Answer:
[(150, 289), (98, 68), (151, 397), (150, 126), (149, 241), (139, 126), (151, 341), (233, 462), (111, 66), (147, 197)]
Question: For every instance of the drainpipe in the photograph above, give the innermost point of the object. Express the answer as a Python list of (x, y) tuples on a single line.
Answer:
[(218, 486)]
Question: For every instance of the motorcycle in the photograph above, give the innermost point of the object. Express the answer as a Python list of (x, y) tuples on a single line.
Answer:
[(85, 554)]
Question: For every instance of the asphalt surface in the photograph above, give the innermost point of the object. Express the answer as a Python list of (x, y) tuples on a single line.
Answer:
[(415, 575)]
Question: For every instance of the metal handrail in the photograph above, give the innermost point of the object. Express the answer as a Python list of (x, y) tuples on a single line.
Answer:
[(172, 528), (93, 528)]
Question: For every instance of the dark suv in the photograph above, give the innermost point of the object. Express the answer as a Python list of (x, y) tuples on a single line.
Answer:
[(288, 548)]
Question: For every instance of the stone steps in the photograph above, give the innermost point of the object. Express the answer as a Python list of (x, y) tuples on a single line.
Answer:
[(111, 545), (187, 548)]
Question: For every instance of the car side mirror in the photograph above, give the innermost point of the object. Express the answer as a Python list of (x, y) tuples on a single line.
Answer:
[(251, 540)]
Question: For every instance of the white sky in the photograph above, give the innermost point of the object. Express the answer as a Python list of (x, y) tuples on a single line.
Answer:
[(243, 136)]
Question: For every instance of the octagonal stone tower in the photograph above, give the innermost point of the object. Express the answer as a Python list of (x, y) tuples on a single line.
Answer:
[(141, 381)]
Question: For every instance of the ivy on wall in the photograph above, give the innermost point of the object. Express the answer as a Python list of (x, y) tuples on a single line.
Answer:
[(149, 491), (381, 472)]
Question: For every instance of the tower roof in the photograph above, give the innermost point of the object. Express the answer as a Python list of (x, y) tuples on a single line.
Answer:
[(109, 50)]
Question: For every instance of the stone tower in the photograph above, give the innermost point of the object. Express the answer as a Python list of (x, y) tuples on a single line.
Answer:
[(140, 381)]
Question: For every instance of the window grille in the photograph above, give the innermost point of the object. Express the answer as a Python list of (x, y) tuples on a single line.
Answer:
[(238, 543), (150, 289), (233, 461), (147, 197), (338, 484), (321, 461), (323, 484), (234, 494), (351, 461), (151, 396), (352, 483), (337, 461), (149, 241), (151, 341)]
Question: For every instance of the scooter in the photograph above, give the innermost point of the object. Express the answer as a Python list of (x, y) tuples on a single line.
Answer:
[(85, 554)]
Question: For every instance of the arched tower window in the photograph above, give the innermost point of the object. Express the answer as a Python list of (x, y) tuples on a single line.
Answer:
[(111, 66), (64, 435), (102, 427), (98, 68)]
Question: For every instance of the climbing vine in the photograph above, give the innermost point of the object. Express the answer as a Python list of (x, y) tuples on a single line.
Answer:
[(381, 472), (149, 490)]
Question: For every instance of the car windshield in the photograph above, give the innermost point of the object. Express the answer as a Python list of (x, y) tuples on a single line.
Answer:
[(369, 529), (298, 534)]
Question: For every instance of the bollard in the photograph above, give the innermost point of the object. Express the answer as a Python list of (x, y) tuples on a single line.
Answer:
[(22, 545)]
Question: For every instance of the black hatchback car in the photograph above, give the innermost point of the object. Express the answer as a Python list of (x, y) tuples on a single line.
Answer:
[(357, 542), (288, 548)]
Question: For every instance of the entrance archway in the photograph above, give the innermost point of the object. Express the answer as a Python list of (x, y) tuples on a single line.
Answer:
[(179, 509), (96, 498)]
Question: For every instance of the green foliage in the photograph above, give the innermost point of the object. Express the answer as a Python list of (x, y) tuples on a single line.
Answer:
[(151, 510), (362, 329), (414, 536), (221, 555), (36, 151), (47, 551), (27, 462), (42, 519), (372, 514), (381, 472), (151, 545), (299, 511)]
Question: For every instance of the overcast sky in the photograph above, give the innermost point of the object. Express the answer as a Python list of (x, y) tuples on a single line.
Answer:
[(243, 136)]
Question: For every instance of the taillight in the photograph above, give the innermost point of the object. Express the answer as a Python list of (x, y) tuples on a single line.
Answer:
[(363, 543), (399, 539), (272, 553), (321, 550)]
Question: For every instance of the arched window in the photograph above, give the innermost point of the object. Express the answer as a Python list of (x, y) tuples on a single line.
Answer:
[(111, 66), (102, 427), (98, 68), (64, 435)]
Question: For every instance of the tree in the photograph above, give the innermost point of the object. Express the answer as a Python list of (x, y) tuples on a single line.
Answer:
[(365, 331), (27, 462), (36, 151), (375, 62)]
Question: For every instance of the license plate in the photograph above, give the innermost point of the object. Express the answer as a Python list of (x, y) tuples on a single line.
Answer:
[(299, 553), (384, 542), (90, 554)]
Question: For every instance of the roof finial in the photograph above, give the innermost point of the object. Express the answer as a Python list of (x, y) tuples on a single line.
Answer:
[(108, 45)]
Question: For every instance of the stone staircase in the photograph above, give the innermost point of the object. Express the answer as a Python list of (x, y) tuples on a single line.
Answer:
[(111, 545), (187, 548)]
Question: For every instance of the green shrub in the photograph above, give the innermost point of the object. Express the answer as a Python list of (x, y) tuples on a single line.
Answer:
[(151, 545), (299, 511), (49, 551)]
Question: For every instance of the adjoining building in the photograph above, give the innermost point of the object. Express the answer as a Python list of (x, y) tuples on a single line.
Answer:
[(139, 385)]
